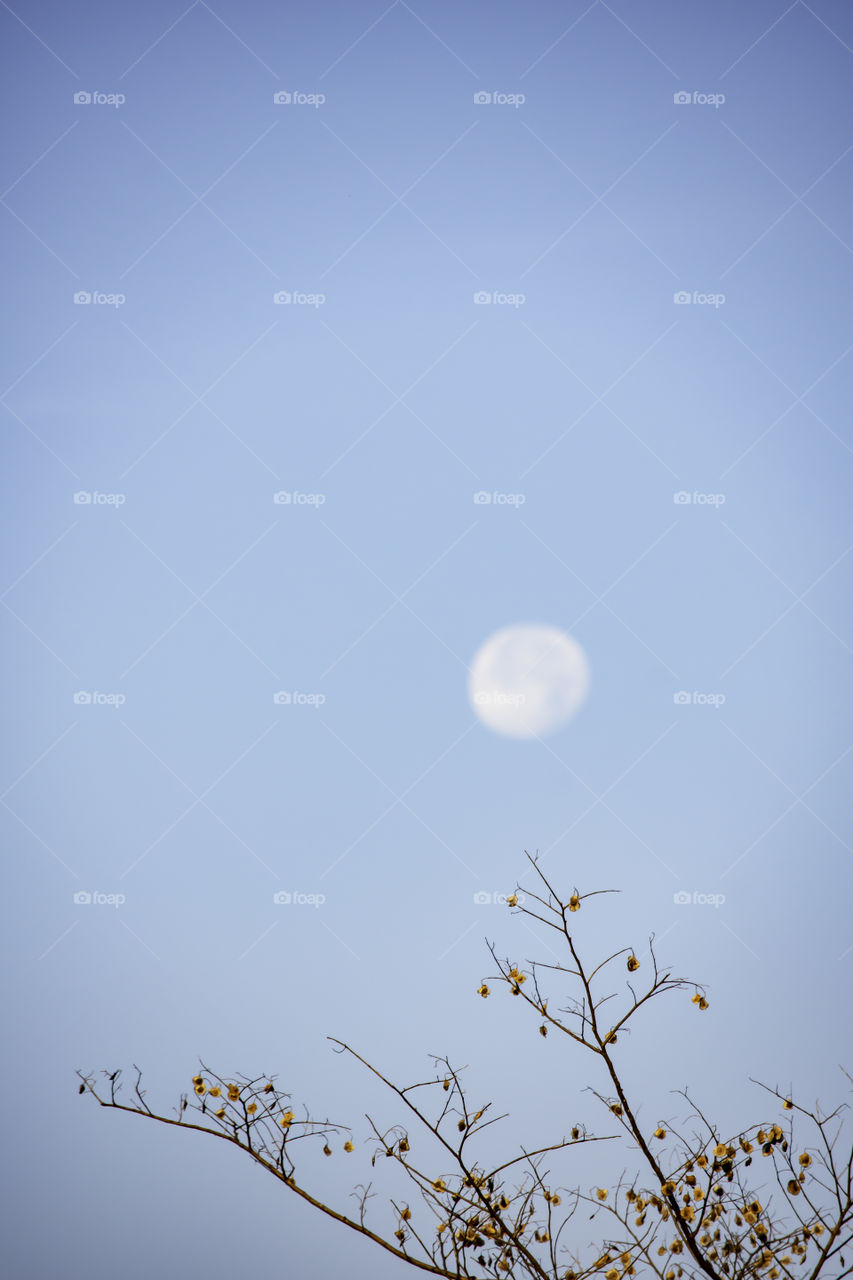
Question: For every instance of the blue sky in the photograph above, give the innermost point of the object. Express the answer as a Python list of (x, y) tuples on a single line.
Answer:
[(181, 398)]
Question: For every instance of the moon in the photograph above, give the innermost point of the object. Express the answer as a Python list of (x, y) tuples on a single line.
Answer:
[(527, 680)]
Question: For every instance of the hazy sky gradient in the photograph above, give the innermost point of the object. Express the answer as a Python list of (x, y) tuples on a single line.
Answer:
[(197, 598)]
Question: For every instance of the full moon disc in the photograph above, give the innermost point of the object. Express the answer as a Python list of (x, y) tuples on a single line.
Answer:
[(528, 680)]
